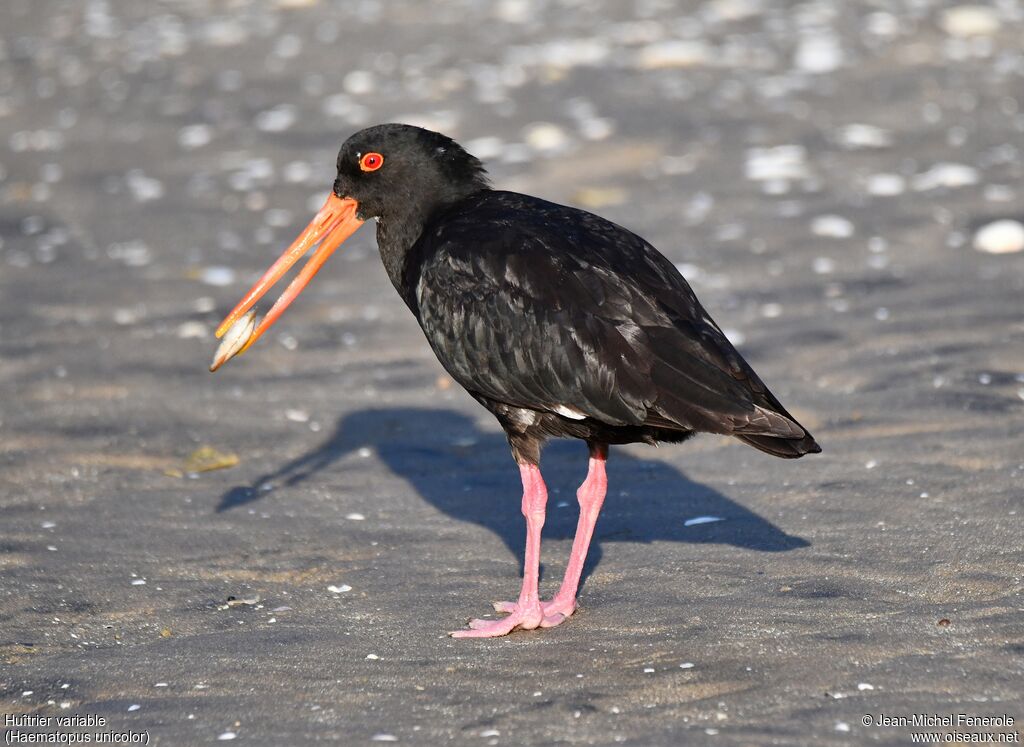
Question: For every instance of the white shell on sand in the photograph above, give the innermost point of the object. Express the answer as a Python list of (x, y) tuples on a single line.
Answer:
[(1000, 237), (819, 54), (886, 185), (946, 175), (833, 226), (970, 20), (675, 53)]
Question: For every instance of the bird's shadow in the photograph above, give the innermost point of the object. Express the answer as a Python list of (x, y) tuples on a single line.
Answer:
[(468, 474)]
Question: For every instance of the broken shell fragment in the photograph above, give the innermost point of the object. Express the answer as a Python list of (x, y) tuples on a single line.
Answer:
[(234, 340)]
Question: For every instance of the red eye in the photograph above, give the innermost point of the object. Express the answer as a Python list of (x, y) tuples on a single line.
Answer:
[(371, 162)]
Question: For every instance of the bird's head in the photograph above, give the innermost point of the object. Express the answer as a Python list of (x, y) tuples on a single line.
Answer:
[(385, 171), (397, 169)]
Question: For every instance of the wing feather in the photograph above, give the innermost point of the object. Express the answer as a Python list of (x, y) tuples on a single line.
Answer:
[(565, 309)]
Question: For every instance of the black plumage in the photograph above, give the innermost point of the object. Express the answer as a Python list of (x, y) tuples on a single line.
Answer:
[(536, 306), (559, 322), (563, 314)]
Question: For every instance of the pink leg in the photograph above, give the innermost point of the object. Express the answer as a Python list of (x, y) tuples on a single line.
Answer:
[(590, 496), (527, 613)]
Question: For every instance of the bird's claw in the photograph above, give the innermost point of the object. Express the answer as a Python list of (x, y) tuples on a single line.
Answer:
[(551, 621), (526, 617), (542, 615)]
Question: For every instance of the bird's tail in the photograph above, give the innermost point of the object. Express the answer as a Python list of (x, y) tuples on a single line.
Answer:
[(787, 448), (777, 441)]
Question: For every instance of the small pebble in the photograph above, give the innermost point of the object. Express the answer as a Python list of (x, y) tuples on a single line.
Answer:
[(194, 136), (1000, 237), (864, 137), (226, 736), (821, 53), (190, 330), (384, 738), (824, 265), (297, 172), (339, 589), (701, 520), (999, 193), (970, 20), (779, 162), (143, 188), (239, 602), (596, 128), (513, 11), (832, 226), (673, 54), (126, 316), (945, 175), (278, 119), (219, 276), (359, 82), (545, 137), (600, 197), (886, 185)]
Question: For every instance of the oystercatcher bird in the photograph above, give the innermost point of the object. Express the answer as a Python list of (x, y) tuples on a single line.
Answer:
[(559, 322)]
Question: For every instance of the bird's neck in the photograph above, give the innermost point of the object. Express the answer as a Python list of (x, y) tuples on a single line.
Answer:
[(398, 232), (396, 235)]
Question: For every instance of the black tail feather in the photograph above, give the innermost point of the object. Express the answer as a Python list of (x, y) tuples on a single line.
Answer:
[(787, 448)]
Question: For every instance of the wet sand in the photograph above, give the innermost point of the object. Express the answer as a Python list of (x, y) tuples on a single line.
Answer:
[(818, 172)]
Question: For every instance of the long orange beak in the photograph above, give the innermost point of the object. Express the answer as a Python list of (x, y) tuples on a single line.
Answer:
[(334, 223)]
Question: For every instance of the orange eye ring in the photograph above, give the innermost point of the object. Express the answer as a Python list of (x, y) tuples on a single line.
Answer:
[(371, 161)]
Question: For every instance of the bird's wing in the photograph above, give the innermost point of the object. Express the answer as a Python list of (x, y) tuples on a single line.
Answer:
[(569, 313)]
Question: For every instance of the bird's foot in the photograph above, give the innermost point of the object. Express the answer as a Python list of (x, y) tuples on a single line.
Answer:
[(555, 612), (526, 617)]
